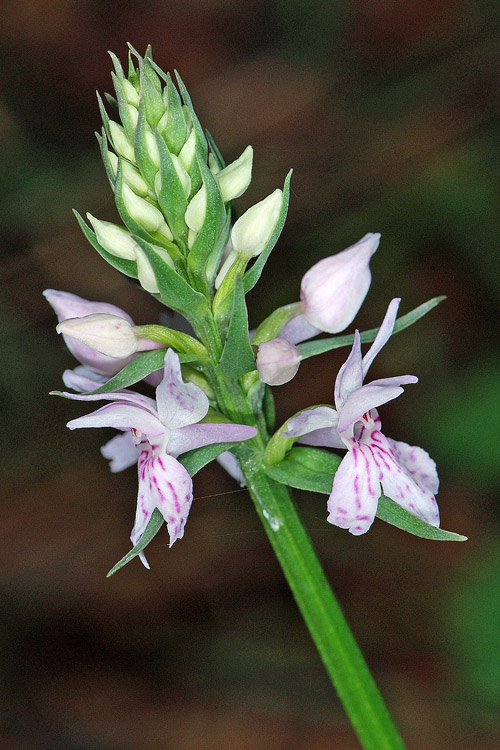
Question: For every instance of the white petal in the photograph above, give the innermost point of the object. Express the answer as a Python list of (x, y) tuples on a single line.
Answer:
[(362, 400), (179, 403), (121, 452), (356, 489), (121, 416), (196, 435), (417, 463), (310, 420), (382, 336), (350, 375)]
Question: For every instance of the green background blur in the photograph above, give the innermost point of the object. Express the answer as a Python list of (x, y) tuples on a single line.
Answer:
[(389, 112)]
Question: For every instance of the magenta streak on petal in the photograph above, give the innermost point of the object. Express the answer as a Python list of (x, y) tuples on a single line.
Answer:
[(362, 518), (341, 510), (175, 496), (374, 435), (368, 476)]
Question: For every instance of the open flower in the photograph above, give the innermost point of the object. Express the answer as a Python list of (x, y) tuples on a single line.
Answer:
[(161, 430), (373, 463)]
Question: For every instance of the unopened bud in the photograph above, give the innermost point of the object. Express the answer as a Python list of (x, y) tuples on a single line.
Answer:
[(108, 334), (253, 230), (234, 179), (145, 271), (333, 290), (131, 174), (148, 216), (120, 142), (277, 361), (196, 210), (187, 152), (113, 238)]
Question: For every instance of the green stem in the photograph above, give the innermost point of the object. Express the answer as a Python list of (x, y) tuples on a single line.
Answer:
[(336, 644)]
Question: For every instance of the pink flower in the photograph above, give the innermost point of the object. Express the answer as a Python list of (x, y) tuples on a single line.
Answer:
[(155, 433), (373, 463)]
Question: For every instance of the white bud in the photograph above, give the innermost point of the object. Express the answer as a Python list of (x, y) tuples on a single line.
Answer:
[(192, 235), (131, 175), (148, 216), (152, 148), (108, 334), (235, 178), (120, 142), (182, 174), (133, 113), (187, 152), (145, 271), (196, 210), (213, 164), (333, 290), (130, 92), (252, 231), (277, 361), (113, 238)]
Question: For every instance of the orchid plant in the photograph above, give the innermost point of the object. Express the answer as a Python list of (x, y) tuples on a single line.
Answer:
[(212, 395)]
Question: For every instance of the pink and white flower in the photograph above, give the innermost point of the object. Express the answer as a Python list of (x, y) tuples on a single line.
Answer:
[(374, 463), (155, 433)]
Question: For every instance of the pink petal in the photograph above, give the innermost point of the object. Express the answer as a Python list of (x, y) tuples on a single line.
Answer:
[(121, 416), (83, 379), (298, 329), (327, 437), (131, 397), (382, 336), (179, 403), (196, 435), (67, 305), (121, 452), (164, 484), (229, 463), (356, 489), (417, 463), (311, 420), (350, 376), (362, 400)]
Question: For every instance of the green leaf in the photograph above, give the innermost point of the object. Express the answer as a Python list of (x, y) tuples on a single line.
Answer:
[(237, 356), (175, 292), (196, 459), (175, 131), (123, 108), (171, 197), (312, 348), (102, 139), (313, 469), (394, 514), (215, 150), (253, 275), (215, 256), (151, 91), (215, 218), (306, 468), (153, 527), (128, 267)]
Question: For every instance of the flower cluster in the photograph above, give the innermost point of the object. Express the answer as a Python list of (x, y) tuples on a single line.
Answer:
[(173, 193)]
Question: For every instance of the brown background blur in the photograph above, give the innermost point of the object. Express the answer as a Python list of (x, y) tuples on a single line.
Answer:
[(389, 113)]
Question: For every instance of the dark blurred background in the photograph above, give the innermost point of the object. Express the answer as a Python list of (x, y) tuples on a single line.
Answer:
[(389, 113)]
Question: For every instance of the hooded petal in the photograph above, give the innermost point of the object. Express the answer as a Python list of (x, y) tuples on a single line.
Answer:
[(121, 416), (356, 489), (350, 376), (417, 463), (196, 435), (311, 420), (383, 335), (83, 379), (179, 403), (121, 451), (164, 484), (362, 400)]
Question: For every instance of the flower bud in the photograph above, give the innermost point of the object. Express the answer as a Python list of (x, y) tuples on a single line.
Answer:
[(67, 305), (120, 142), (108, 334), (113, 238), (145, 271), (131, 174), (333, 290), (234, 179), (277, 361), (187, 152), (252, 231), (196, 210), (145, 214)]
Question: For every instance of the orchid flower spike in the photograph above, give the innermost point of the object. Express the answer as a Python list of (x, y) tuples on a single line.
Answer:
[(161, 430), (373, 463), (332, 291)]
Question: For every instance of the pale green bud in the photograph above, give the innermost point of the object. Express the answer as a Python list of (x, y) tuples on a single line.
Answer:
[(187, 152), (152, 148), (133, 113), (130, 92), (113, 238), (197, 209), (183, 176), (213, 164), (145, 271), (120, 142), (148, 216), (131, 175), (234, 179), (253, 230), (192, 235)]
